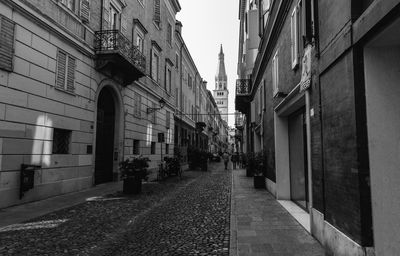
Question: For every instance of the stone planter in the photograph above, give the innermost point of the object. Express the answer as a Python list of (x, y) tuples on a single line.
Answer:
[(132, 186), (259, 182)]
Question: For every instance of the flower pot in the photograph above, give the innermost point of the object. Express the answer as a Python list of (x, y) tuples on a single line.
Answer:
[(259, 182), (132, 186), (249, 172)]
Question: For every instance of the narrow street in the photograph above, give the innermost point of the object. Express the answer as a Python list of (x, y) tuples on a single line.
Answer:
[(187, 217)]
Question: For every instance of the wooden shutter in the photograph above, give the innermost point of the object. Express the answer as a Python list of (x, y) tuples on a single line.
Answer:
[(6, 43), (61, 67), (124, 24), (157, 11), (71, 74), (106, 14), (85, 10)]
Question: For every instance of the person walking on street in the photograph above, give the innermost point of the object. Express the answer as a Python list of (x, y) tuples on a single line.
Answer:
[(234, 159), (225, 156)]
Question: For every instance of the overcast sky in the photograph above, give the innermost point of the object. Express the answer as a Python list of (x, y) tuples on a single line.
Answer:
[(206, 25)]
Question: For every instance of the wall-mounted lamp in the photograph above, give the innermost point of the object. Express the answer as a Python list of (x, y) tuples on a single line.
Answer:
[(162, 105)]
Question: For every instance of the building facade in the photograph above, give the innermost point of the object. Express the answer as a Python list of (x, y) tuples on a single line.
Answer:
[(86, 84), (313, 105)]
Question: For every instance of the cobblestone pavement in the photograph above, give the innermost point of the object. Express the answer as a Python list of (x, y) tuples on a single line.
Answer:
[(188, 217)]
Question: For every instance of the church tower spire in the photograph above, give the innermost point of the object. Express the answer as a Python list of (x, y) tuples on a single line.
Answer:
[(221, 72), (221, 90)]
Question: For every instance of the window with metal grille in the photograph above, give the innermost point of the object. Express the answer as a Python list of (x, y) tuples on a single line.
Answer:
[(6, 43), (153, 148), (136, 147), (61, 141), (65, 79)]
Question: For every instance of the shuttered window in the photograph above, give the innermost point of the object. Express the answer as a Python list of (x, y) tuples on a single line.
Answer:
[(85, 10), (65, 79), (157, 11), (6, 43), (169, 34)]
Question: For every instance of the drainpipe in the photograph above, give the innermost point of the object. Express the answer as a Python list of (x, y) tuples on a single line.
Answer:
[(101, 15), (309, 165)]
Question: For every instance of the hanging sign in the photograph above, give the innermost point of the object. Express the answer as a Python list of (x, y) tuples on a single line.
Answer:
[(306, 70)]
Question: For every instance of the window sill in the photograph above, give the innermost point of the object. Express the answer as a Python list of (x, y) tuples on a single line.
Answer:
[(65, 91)]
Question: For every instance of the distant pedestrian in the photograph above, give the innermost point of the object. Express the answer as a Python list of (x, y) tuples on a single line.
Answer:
[(225, 156), (235, 160)]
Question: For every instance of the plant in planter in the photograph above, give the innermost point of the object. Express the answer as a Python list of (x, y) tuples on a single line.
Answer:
[(259, 162), (250, 164), (133, 171)]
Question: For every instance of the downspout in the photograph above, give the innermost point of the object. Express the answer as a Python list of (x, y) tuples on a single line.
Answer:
[(101, 15), (309, 165)]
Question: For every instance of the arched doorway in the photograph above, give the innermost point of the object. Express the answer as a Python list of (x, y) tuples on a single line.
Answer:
[(105, 136)]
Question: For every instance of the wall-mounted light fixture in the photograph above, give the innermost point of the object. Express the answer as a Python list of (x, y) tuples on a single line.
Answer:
[(162, 105)]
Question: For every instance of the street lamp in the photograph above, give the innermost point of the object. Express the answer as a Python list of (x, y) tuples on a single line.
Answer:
[(162, 105)]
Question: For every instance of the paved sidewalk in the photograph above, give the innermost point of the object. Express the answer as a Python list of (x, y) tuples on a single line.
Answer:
[(24, 212), (261, 226)]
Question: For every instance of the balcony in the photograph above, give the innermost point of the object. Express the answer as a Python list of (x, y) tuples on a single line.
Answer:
[(118, 58), (243, 91)]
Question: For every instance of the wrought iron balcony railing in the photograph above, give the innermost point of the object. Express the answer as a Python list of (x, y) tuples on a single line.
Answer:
[(111, 41), (243, 87)]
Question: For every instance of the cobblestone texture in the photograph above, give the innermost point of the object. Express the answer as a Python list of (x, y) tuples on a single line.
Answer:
[(188, 217)]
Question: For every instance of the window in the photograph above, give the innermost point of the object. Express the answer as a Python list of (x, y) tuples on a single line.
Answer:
[(167, 119), (114, 17), (65, 79), (264, 13), (61, 141), (136, 147), (169, 34), (301, 29), (137, 104), (176, 61), (85, 10), (6, 43), (294, 21), (157, 12), (139, 42), (155, 62), (70, 4), (168, 77), (189, 81), (275, 74), (153, 148), (166, 149)]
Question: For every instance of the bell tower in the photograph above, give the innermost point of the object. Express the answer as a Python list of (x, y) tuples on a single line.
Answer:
[(221, 92)]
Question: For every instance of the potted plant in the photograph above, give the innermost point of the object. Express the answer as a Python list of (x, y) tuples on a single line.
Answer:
[(133, 171), (250, 164), (259, 162)]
